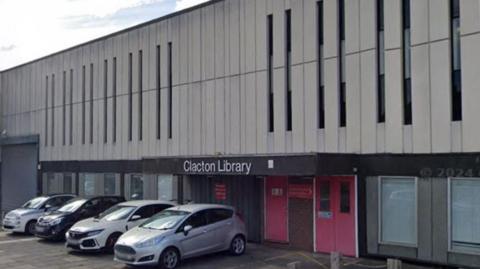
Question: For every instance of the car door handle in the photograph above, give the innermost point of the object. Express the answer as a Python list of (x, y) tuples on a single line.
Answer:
[(205, 231)]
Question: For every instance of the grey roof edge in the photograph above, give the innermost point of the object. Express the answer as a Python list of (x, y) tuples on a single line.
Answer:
[(140, 25), (18, 140)]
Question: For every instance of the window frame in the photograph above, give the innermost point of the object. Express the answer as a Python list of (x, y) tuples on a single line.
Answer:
[(450, 248), (379, 208)]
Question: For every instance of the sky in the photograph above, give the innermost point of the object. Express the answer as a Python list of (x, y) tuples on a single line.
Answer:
[(30, 29)]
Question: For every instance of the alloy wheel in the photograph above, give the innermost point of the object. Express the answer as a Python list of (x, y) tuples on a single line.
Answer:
[(238, 245), (170, 259), (31, 227)]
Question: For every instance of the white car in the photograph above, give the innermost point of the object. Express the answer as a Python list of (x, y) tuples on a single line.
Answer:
[(101, 232), (182, 232), (23, 220)]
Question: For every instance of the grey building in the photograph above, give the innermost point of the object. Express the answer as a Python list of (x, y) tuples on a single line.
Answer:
[(344, 125)]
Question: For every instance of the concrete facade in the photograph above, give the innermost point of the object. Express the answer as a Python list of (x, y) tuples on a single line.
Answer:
[(219, 80)]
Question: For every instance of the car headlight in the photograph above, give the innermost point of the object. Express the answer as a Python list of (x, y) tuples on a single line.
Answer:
[(92, 233), (55, 221), (149, 242), (12, 216)]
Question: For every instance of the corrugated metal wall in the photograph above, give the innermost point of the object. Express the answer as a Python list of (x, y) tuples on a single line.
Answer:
[(19, 175), (243, 192)]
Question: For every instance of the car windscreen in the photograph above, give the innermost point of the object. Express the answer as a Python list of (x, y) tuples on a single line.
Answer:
[(165, 220), (117, 212), (72, 205), (35, 203)]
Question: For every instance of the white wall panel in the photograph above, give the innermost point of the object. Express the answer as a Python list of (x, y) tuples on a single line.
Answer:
[(469, 16), (298, 109), (220, 109), (470, 92), (261, 34), (279, 121), (311, 106), (330, 28), (262, 111), (441, 96), (278, 33), (233, 102), (353, 93), (184, 134), (297, 27), (368, 84), (250, 34), (393, 101), (219, 33), (250, 114), (208, 108), (421, 99), (419, 18), (208, 42), (234, 36), (440, 19), (310, 38)]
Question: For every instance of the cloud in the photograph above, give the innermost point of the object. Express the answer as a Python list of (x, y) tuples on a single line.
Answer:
[(49, 26), (183, 4), (144, 11), (8, 47)]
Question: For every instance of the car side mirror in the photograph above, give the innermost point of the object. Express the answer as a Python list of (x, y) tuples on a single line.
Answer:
[(187, 229), (135, 217)]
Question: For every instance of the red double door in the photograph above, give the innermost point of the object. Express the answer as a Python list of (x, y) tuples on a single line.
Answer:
[(333, 215)]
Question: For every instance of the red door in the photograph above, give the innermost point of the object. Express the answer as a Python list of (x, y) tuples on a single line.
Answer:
[(276, 209), (335, 215)]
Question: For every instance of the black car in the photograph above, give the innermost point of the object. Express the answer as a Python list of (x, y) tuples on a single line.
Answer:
[(53, 225)]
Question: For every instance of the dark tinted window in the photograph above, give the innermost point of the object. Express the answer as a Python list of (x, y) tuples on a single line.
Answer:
[(159, 208), (325, 196), (111, 201), (345, 197), (55, 202), (92, 207), (145, 211), (216, 215), (66, 199), (196, 220)]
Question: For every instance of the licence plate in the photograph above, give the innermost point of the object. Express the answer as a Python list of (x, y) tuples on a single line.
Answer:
[(126, 257), (73, 242), (40, 229)]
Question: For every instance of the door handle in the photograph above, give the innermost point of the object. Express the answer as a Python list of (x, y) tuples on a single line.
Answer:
[(204, 231)]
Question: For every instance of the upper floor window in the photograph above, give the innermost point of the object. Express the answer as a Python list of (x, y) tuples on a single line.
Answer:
[(456, 61)]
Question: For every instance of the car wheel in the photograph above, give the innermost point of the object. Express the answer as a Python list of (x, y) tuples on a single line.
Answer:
[(169, 258), (238, 245), (111, 240), (30, 227)]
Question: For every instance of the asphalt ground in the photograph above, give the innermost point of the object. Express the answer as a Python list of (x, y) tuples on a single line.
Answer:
[(27, 252)]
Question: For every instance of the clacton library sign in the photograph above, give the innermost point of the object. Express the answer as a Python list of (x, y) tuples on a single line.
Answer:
[(217, 167), (238, 165)]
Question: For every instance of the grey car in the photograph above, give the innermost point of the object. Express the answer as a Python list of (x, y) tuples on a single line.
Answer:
[(182, 232)]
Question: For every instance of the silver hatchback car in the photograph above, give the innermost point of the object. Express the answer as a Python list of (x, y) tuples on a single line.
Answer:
[(182, 232)]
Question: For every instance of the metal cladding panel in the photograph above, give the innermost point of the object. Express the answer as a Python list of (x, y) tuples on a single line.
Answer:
[(242, 192), (18, 175)]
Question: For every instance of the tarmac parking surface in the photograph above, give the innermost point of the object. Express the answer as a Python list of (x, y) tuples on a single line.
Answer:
[(28, 252)]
